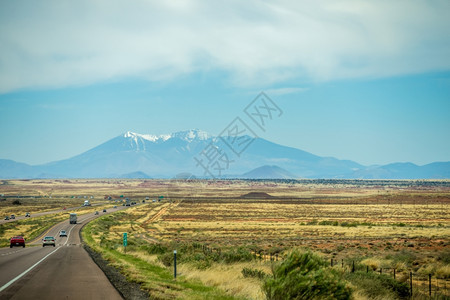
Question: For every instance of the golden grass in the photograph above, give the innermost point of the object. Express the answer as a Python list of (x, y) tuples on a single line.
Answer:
[(229, 278), (415, 218)]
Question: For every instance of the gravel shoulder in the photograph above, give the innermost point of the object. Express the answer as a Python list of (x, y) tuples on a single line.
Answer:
[(128, 290)]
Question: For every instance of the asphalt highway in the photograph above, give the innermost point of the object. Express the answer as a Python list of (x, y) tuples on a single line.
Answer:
[(2, 220), (62, 272)]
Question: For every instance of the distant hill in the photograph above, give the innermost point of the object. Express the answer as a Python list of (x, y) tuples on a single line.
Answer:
[(269, 172), (12, 169), (256, 195), (134, 155), (135, 175), (437, 170)]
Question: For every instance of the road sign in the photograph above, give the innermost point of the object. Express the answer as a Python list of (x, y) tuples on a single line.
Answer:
[(124, 239)]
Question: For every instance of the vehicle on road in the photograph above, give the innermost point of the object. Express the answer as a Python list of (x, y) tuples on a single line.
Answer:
[(87, 203), (48, 241), (7, 218), (104, 210), (17, 241), (115, 206), (12, 217), (62, 233), (27, 215), (73, 218), (96, 213)]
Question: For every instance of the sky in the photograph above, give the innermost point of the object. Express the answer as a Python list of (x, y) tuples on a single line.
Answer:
[(365, 81)]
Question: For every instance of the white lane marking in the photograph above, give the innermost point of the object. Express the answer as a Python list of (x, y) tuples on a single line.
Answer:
[(26, 271), (68, 235), (11, 252)]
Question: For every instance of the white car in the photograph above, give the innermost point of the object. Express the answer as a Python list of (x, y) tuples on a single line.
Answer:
[(62, 233), (49, 241)]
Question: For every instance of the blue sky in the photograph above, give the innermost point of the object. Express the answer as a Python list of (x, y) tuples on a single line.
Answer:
[(366, 81)]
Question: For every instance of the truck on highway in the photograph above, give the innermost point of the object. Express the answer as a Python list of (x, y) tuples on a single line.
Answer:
[(87, 203), (73, 218)]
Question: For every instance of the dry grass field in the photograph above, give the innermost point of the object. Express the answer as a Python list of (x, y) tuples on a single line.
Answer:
[(375, 225)]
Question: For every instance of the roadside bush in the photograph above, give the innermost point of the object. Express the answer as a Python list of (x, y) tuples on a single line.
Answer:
[(443, 272), (374, 285), (404, 256), (444, 256), (239, 254), (154, 248), (255, 273), (305, 276), (166, 259)]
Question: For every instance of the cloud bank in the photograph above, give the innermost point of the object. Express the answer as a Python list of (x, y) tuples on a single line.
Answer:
[(50, 44)]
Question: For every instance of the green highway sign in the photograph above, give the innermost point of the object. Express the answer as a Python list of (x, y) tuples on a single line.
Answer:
[(124, 239)]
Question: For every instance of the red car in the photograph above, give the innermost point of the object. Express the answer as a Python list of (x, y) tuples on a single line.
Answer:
[(17, 241)]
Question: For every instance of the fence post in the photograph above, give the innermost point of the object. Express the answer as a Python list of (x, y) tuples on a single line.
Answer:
[(381, 271), (367, 269), (394, 273), (342, 261), (353, 266), (175, 264), (429, 284), (410, 285)]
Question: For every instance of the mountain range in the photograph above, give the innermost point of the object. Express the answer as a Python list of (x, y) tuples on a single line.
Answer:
[(134, 155)]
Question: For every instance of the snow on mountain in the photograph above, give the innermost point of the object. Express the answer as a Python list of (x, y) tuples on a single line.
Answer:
[(192, 134), (188, 135)]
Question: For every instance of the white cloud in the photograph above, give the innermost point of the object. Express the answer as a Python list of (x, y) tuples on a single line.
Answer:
[(53, 43)]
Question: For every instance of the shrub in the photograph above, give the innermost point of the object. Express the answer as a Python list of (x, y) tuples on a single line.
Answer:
[(166, 259), (375, 285), (154, 248), (305, 276), (444, 256), (255, 273), (443, 272), (240, 254)]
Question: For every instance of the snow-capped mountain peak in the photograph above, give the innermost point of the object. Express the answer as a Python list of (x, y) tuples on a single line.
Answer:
[(192, 134), (149, 137), (188, 135)]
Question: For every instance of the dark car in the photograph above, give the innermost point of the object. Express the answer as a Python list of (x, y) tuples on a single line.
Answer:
[(49, 241), (17, 241), (104, 210), (27, 215), (13, 217), (7, 218)]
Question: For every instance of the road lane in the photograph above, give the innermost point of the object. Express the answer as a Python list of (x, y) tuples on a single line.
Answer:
[(15, 261), (39, 214), (67, 273)]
